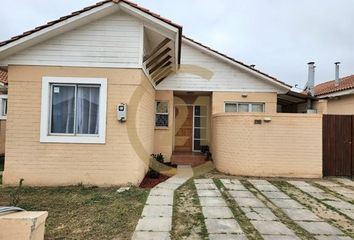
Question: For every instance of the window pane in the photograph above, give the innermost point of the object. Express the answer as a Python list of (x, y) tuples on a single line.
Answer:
[(257, 107), (230, 107), (63, 107), (197, 145), (197, 133), (3, 111), (197, 110), (161, 107), (87, 110), (161, 120), (243, 107)]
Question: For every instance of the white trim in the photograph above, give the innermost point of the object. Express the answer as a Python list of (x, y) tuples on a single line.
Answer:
[(337, 94), (3, 96), (219, 56), (249, 105), (45, 112)]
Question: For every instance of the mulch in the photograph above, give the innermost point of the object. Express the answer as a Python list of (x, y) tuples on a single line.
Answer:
[(152, 182)]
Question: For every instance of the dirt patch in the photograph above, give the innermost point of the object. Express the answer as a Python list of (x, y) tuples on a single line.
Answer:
[(188, 220), (318, 208)]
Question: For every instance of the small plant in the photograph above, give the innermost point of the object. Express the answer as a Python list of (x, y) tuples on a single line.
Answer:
[(16, 194), (158, 157)]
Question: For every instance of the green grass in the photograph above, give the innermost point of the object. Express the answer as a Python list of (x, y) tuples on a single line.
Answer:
[(83, 212), (188, 220)]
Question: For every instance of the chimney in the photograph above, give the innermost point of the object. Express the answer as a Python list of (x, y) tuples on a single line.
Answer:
[(311, 79), (336, 78)]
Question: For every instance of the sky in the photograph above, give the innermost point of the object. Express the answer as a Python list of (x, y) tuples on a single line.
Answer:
[(279, 36)]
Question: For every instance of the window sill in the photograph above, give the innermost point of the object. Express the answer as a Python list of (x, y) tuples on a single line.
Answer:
[(73, 139), (162, 128)]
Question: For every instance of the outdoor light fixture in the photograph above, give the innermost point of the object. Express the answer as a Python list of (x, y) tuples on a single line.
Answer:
[(267, 119)]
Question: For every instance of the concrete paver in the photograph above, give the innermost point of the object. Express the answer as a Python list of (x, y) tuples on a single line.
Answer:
[(260, 214), (160, 200), (249, 202), (320, 228), (157, 211), (212, 202), (222, 226), (208, 193), (241, 194), (286, 203), (217, 212), (301, 215), (151, 236), (271, 228), (227, 237)]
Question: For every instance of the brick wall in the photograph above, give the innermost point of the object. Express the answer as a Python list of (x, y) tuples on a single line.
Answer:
[(288, 146), (122, 159)]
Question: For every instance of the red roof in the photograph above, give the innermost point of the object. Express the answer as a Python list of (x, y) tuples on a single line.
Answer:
[(73, 14), (3, 76), (236, 61), (345, 83)]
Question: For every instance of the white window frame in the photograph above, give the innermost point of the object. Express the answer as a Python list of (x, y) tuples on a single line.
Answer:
[(249, 106), (2, 115), (156, 113), (46, 136)]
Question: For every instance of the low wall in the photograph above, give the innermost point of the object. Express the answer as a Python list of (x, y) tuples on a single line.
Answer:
[(290, 145)]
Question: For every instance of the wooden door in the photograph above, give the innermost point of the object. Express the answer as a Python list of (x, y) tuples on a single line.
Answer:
[(183, 128), (337, 145)]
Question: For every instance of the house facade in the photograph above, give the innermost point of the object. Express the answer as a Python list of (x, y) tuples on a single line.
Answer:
[(72, 80)]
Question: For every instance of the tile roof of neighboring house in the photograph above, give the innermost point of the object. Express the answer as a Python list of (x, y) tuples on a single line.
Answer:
[(73, 14), (345, 83), (3, 76), (236, 61)]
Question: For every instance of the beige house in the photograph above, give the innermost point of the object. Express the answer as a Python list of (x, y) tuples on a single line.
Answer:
[(93, 94), (336, 96)]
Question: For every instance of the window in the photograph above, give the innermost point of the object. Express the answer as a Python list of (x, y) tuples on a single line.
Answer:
[(244, 107), (73, 110), (161, 119), (3, 106), (200, 128)]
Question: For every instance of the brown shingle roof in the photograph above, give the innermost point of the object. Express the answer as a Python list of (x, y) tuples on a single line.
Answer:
[(3, 76), (345, 83), (236, 61), (73, 14)]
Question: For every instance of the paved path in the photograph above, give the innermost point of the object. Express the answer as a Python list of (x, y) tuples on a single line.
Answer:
[(345, 181), (327, 198), (156, 220), (219, 219), (297, 212), (337, 188), (260, 216)]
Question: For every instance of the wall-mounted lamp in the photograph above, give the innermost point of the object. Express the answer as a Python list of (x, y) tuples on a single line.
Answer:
[(267, 119), (244, 95)]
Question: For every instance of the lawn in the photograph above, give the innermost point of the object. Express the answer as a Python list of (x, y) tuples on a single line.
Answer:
[(83, 212)]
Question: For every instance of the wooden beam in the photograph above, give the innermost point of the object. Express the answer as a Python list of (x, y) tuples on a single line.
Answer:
[(160, 69), (157, 48), (159, 64), (163, 75), (160, 55)]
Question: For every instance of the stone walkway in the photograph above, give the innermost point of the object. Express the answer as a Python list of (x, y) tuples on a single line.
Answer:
[(297, 212), (345, 181), (156, 220), (219, 219), (337, 188), (260, 216), (327, 198)]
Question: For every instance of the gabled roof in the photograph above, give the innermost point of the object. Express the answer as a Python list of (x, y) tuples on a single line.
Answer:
[(3, 77), (345, 83), (248, 67), (73, 14)]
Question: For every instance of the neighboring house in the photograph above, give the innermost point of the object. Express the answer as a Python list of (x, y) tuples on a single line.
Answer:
[(3, 110), (71, 79), (337, 96)]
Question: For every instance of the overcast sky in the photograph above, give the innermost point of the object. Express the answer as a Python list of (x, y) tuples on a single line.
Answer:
[(278, 36)]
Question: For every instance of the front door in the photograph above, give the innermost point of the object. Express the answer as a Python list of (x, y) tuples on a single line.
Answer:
[(183, 128)]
